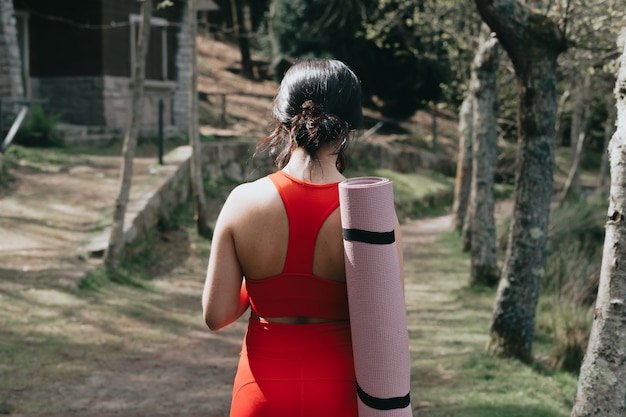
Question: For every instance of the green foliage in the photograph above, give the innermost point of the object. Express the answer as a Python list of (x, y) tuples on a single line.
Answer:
[(38, 129), (405, 84), (413, 68), (415, 52), (315, 27), (581, 222)]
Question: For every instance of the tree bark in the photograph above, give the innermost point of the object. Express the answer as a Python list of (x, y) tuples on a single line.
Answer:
[(464, 162), (113, 253), (484, 261), (533, 44), (602, 380), (197, 183)]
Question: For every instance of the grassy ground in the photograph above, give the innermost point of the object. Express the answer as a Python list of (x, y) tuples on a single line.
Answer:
[(448, 323)]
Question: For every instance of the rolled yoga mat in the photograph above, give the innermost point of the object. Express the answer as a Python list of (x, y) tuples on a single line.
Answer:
[(375, 298)]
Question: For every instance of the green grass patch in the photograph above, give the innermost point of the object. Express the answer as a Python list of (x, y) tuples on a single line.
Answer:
[(72, 153), (30, 156), (452, 375), (130, 275), (491, 387)]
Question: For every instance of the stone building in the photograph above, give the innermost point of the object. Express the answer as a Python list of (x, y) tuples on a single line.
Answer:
[(78, 55)]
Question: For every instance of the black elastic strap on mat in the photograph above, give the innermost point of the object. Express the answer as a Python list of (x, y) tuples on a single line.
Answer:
[(383, 403), (376, 238)]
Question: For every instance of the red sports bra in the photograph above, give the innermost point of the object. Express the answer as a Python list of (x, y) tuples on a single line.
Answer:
[(296, 291)]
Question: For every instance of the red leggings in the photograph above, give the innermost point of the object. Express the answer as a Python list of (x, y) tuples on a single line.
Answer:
[(295, 370)]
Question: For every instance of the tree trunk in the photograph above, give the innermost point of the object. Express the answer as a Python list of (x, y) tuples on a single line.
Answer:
[(560, 111), (533, 44), (464, 162), (572, 182), (577, 139), (113, 254), (243, 36), (484, 261), (602, 380), (197, 184)]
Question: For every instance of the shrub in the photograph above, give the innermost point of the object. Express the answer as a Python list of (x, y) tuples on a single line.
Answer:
[(574, 250), (570, 283), (571, 344), (38, 129)]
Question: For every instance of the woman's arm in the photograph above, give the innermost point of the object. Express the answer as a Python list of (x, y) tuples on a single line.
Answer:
[(224, 299)]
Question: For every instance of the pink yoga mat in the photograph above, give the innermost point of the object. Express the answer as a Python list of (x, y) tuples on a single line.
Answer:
[(375, 297)]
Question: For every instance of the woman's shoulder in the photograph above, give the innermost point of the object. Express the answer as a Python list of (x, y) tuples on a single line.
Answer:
[(250, 196), (252, 191)]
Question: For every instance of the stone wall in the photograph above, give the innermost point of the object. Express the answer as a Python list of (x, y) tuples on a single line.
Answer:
[(77, 99), (102, 101), (157, 198), (231, 160), (234, 160), (399, 158)]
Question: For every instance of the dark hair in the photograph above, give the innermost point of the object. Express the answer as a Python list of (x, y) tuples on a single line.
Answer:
[(318, 102)]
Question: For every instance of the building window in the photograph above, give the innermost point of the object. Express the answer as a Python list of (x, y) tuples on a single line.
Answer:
[(157, 61)]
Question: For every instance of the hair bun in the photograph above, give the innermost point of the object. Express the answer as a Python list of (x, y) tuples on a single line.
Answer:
[(312, 114), (312, 127)]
